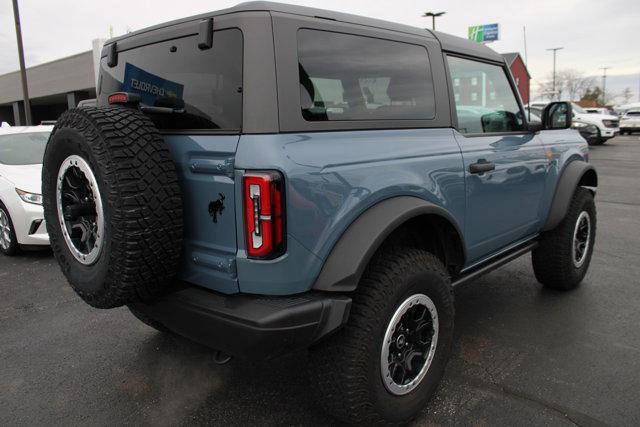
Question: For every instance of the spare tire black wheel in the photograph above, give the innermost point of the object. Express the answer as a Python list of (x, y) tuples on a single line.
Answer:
[(112, 205)]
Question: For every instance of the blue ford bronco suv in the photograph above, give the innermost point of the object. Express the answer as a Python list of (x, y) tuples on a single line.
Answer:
[(270, 178)]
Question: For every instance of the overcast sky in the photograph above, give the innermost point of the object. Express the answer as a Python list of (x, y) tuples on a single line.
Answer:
[(594, 33)]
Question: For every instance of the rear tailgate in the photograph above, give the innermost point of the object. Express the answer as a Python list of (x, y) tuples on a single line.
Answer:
[(193, 94), (205, 168)]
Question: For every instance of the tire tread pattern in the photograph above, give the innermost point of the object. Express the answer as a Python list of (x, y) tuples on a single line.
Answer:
[(140, 184), (552, 263), (339, 366)]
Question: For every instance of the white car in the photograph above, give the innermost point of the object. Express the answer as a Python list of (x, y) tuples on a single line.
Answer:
[(598, 111), (21, 215), (630, 121), (607, 124)]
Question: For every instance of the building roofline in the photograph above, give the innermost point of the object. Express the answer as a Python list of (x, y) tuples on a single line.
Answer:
[(44, 64), (513, 56)]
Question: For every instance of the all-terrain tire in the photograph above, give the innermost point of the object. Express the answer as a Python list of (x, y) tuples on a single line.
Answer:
[(13, 247), (142, 205), (553, 259), (345, 370)]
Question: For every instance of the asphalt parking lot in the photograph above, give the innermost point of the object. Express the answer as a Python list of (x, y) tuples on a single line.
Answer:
[(522, 355)]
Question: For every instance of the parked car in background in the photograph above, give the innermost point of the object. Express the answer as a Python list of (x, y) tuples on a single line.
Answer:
[(599, 110), (588, 131), (21, 216), (608, 125), (622, 109), (630, 121)]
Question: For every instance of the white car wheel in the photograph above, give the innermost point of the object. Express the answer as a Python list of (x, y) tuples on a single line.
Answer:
[(8, 241)]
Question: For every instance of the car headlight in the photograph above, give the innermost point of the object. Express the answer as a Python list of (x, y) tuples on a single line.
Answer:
[(578, 125), (33, 198)]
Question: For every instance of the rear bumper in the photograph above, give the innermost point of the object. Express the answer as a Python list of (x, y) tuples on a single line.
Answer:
[(247, 326)]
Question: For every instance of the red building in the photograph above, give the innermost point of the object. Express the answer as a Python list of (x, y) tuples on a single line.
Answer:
[(520, 74)]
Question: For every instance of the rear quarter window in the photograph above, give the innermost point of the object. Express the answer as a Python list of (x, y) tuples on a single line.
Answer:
[(349, 77), (202, 87)]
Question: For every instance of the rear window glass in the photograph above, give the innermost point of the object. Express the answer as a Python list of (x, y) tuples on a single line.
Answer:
[(23, 148), (199, 89), (348, 77)]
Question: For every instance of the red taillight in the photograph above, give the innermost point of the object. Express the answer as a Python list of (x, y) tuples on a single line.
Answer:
[(264, 214)]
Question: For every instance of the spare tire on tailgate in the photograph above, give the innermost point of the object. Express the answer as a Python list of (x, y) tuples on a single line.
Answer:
[(112, 205)]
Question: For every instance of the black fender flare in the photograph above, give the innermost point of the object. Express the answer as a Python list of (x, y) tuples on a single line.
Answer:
[(571, 177), (349, 257)]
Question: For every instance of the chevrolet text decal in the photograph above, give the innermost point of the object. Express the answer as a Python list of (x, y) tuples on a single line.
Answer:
[(149, 86)]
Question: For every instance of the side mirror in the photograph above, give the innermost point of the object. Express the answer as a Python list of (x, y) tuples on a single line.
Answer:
[(557, 115)]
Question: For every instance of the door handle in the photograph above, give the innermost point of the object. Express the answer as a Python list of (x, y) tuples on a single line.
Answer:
[(481, 167)]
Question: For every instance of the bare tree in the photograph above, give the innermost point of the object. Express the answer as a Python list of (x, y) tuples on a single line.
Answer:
[(574, 83), (626, 95), (546, 89), (570, 84)]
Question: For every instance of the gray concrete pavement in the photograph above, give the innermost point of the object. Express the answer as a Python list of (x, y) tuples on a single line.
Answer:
[(522, 355)]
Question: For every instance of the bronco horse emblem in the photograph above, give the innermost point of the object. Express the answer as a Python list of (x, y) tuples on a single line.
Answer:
[(216, 207)]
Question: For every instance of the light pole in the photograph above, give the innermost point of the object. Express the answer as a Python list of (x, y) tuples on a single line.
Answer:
[(23, 72), (554, 49), (433, 16), (604, 85)]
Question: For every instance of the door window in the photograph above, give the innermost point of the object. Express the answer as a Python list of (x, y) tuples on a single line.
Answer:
[(485, 102)]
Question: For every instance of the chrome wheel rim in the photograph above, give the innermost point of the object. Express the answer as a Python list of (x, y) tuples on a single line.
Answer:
[(80, 210), (409, 344), (581, 239), (5, 231)]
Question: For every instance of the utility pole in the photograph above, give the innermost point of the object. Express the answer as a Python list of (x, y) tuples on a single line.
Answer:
[(23, 71), (524, 35), (554, 49), (604, 85), (433, 18)]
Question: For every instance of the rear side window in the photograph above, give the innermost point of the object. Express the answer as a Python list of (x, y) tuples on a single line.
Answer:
[(485, 101), (200, 89), (348, 77)]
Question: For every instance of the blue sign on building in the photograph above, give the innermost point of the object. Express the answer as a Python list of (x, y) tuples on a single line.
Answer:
[(149, 86)]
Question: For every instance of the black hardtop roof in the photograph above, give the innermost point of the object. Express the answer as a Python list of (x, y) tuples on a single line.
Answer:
[(448, 42)]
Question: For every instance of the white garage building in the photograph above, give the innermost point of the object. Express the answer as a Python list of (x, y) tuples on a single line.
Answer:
[(53, 87)]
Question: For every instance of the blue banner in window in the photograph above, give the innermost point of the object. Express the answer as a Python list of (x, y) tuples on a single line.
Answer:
[(149, 86)]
